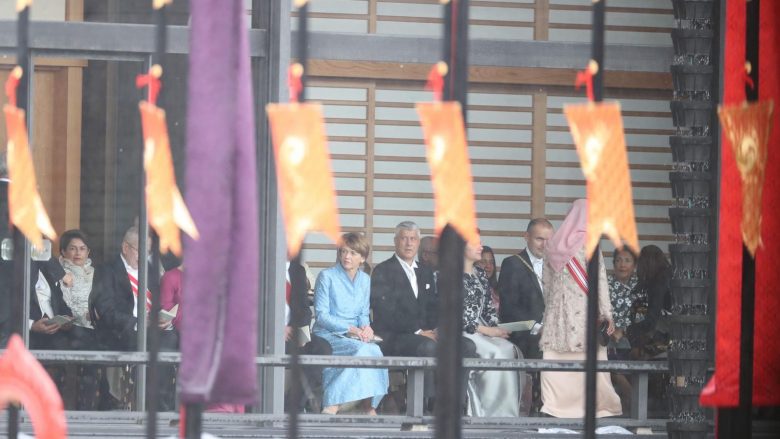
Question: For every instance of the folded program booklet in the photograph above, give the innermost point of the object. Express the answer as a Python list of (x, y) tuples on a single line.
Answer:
[(524, 325), (167, 316), (376, 339), (59, 320)]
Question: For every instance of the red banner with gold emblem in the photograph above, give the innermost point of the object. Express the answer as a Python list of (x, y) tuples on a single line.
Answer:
[(748, 126)]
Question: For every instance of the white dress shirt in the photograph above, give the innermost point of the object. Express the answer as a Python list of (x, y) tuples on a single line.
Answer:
[(410, 274), (538, 264), (43, 291), (133, 272)]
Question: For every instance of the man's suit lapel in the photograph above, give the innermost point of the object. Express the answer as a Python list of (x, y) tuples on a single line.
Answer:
[(124, 281), (35, 308), (424, 286), (401, 275)]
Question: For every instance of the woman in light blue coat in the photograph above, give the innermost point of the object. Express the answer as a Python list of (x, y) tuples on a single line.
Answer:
[(341, 301)]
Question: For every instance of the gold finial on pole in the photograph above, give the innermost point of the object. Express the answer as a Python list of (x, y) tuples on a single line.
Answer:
[(593, 67), (442, 68), (156, 71), (21, 4)]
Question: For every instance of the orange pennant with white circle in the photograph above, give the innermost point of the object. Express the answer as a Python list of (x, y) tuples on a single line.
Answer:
[(165, 205), (304, 172), (597, 130), (748, 127), (447, 153), (25, 206)]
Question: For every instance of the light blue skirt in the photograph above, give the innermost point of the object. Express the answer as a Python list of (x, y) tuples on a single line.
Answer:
[(352, 384)]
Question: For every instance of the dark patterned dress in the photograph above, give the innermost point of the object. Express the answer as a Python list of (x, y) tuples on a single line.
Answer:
[(621, 296), (490, 392), (477, 304)]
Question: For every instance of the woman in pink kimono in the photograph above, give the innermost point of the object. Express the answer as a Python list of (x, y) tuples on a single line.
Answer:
[(565, 315)]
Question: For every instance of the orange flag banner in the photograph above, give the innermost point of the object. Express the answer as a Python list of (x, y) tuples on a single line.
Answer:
[(24, 380), (447, 153), (165, 205), (303, 172), (597, 130), (748, 127), (25, 207)]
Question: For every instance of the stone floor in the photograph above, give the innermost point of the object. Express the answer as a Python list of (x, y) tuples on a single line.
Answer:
[(117, 425)]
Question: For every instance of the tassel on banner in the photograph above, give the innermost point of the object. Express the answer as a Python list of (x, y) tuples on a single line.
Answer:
[(167, 210), (25, 206), (447, 154), (597, 130), (748, 127), (303, 170)]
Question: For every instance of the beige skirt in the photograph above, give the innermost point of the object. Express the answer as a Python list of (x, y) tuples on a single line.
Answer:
[(563, 393)]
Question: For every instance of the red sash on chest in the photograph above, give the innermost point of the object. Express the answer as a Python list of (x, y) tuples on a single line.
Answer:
[(134, 286)]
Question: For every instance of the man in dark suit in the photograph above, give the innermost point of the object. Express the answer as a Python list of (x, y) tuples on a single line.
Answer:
[(46, 302), (403, 300), (113, 298), (299, 316), (520, 294), (113, 310), (520, 286)]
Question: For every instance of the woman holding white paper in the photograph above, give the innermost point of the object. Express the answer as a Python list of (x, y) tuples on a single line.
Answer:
[(170, 297), (490, 392)]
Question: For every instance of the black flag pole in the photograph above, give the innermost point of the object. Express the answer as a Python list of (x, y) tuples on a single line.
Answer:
[(597, 56), (153, 377), (449, 356), (21, 252), (296, 390), (748, 261)]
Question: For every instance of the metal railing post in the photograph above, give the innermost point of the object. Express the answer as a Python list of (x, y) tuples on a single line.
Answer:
[(414, 392), (639, 396)]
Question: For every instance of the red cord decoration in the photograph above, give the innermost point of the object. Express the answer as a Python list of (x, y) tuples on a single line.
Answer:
[(294, 82), (11, 84), (585, 77), (436, 80), (746, 76), (152, 80)]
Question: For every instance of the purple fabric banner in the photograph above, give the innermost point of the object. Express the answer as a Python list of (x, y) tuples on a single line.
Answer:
[(220, 295)]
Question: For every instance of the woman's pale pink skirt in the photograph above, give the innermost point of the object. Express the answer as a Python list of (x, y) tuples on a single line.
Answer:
[(563, 393)]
